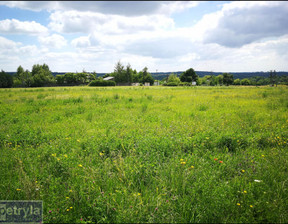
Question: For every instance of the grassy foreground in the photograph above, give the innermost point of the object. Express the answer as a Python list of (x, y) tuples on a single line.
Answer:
[(147, 154)]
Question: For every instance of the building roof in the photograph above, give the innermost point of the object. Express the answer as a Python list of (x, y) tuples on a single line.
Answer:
[(109, 78)]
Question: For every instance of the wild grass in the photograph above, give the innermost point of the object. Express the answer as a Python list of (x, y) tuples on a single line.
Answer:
[(147, 154)]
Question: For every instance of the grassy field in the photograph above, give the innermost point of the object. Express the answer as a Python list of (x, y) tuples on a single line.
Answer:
[(147, 154)]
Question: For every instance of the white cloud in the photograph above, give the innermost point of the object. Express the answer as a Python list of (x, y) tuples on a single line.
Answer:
[(85, 22), (15, 26), (240, 23), (54, 41)]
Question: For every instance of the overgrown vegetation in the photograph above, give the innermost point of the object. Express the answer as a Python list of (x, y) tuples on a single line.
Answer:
[(147, 154)]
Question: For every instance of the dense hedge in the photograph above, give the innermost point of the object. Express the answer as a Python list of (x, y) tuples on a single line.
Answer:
[(102, 83)]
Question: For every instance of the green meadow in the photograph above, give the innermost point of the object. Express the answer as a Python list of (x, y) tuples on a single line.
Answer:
[(147, 154)]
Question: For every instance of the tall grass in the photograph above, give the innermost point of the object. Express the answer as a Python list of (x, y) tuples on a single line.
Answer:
[(153, 154)]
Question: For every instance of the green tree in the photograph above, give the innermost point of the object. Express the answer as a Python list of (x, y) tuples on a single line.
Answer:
[(6, 80), (173, 79), (145, 76), (236, 82), (228, 79), (119, 72), (41, 76), (245, 82), (189, 76), (273, 78)]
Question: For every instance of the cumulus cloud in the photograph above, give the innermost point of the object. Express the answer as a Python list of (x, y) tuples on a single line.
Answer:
[(241, 23), (14, 26), (54, 41), (85, 22)]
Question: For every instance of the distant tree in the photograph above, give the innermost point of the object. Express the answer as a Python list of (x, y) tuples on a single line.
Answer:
[(128, 74), (6, 80), (145, 76), (41, 76), (228, 79), (189, 76), (273, 78), (219, 80), (245, 82), (119, 72), (236, 82), (173, 78)]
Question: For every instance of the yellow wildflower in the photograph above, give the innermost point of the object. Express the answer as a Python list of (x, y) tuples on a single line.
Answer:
[(139, 194), (78, 140), (192, 167), (183, 163), (245, 192), (243, 171), (65, 155), (263, 155), (18, 189), (251, 206), (80, 165), (71, 207), (67, 210), (101, 154), (238, 204), (67, 197)]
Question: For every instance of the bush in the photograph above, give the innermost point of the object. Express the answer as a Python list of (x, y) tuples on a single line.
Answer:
[(102, 83)]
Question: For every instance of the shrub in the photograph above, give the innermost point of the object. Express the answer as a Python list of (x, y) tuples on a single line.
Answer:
[(102, 83)]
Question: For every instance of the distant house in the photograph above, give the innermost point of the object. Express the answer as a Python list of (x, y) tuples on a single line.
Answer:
[(193, 83), (135, 84), (156, 83), (147, 84), (109, 78)]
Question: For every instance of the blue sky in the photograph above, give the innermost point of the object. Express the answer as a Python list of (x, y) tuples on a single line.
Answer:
[(219, 36)]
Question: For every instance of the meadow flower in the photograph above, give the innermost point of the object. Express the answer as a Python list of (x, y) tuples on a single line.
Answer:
[(183, 163), (101, 154), (215, 159), (67, 209), (80, 165), (78, 140), (258, 181), (243, 171), (245, 192), (220, 161), (238, 204), (67, 197), (54, 154), (192, 167), (65, 155), (251, 206), (71, 207), (18, 189), (58, 159), (70, 190), (50, 211), (139, 194)]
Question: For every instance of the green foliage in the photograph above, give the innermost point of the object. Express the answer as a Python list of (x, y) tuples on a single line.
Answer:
[(189, 76), (236, 82), (227, 79), (6, 80), (173, 79), (102, 83), (245, 82)]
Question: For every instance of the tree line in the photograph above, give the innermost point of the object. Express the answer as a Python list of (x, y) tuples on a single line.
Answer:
[(41, 75)]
